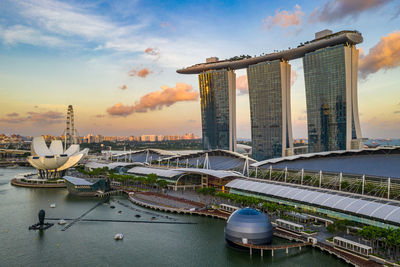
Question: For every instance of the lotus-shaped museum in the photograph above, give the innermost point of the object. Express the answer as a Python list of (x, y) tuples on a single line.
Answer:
[(53, 161)]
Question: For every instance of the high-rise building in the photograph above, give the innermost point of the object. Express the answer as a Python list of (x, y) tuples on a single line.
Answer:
[(90, 139), (331, 93), (269, 93), (218, 109), (98, 139)]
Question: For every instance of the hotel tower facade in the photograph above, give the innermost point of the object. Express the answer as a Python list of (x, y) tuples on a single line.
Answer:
[(269, 94), (330, 76), (218, 109)]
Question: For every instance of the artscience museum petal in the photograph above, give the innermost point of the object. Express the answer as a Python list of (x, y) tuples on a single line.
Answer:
[(53, 161)]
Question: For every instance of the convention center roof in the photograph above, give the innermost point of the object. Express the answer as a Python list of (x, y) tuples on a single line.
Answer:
[(110, 166), (382, 162), (218, 159), (170, 173), (384, 210), (167, 173)]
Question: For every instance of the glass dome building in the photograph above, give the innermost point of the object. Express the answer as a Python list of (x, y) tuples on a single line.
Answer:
[(248, 226)]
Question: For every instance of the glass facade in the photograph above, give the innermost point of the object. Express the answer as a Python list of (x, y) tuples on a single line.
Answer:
[(269, 93), (218, 109), (331, 85)]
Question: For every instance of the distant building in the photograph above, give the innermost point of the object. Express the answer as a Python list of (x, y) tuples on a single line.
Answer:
[(218, 109), (148, 138), (189, 136), (110, 138), (89, 139), (98, 139)]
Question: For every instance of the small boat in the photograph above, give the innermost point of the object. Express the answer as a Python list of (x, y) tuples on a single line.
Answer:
[(53, 205), (153, 218), (119, 237), (137, 216), (62, 222), (113, 207), (120, 211)]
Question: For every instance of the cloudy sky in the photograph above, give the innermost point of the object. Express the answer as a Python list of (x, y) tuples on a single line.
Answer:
[(116, 61)]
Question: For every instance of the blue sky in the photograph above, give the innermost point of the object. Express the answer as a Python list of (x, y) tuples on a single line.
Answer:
[(55, 53)]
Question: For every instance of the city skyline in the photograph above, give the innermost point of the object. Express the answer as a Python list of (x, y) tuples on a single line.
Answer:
[(125, 83)]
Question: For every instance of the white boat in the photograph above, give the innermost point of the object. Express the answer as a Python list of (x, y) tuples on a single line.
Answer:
[(119, 237), (52, 205), (62, 222)]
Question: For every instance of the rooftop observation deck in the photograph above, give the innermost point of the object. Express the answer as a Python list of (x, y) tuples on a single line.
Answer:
[(342, 37)]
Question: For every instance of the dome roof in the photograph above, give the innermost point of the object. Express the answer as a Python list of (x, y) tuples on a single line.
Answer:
[(249, 225)]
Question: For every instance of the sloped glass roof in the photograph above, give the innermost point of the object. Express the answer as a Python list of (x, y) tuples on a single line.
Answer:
[(375, 208)]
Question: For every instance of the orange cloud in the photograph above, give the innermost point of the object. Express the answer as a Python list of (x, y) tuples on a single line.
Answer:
[(156, 100), (140, 73), (152, 51), (14, 120), (42, 118), (384, 55), (123, 87), (334, 10), (48, 117), (284, 18)]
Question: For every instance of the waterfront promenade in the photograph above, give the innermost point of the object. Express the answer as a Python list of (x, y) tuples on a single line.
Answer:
[(152, 201)]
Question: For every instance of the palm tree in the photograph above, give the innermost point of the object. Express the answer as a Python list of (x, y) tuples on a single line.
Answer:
[(151, 179)]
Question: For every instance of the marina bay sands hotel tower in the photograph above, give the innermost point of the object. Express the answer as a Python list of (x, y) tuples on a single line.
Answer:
[(330, 64)]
